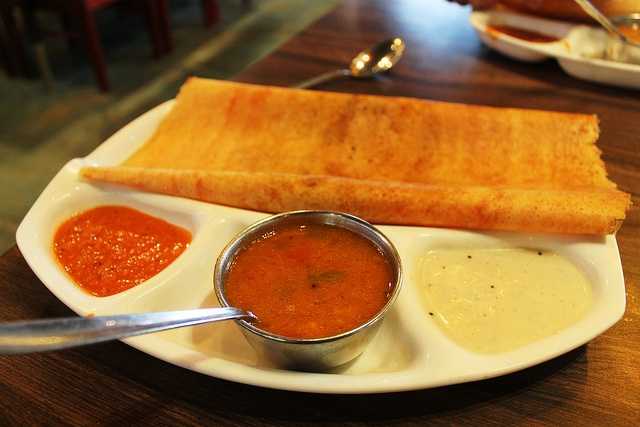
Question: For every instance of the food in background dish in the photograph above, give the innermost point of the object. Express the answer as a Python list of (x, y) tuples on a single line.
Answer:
[(497, 300), (310, 281), (632, 32), (570, 10), (519, 33), (386, 159), (596, 43), (109, 249)]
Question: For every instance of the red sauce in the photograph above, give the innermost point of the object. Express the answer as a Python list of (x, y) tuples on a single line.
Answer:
[(310, 281), (109, 249), (530, 36)]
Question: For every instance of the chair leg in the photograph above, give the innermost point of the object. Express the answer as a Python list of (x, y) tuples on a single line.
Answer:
[(15, 54), (165, 24), (152, 17), (92, 43), (211, 11), (42, 62), (69, 31), (35, 35), (5, 44)]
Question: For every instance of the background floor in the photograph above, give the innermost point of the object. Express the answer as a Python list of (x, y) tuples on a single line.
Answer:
[(41, 130)]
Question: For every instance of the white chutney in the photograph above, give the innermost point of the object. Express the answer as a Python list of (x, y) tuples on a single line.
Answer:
[(497, 300)]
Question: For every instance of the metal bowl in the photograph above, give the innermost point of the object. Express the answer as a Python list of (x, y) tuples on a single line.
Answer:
[(316, 354)]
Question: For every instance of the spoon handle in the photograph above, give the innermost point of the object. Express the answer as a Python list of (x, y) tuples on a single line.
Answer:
[(323, 78), (55, 334), (592, 11)]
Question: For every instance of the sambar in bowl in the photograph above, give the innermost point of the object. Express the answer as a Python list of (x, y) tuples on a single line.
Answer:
[(318, 282)]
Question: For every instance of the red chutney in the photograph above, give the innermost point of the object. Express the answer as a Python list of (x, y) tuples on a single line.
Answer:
[(109, 249), (310, 281), (530, 36)]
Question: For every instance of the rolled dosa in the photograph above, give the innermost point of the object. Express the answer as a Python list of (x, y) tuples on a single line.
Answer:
[(388, 159), (386, 202)]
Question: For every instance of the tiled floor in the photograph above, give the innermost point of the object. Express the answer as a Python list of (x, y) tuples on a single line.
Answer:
[(40, 131)]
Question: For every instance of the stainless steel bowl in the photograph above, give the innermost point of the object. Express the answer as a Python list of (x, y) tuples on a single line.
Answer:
[(317, 354)]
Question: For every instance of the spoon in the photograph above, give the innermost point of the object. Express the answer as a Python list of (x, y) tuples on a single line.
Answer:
[(595, 13), (375, 60), (55, 334)]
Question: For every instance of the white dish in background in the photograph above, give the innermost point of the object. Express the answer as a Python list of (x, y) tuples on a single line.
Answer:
[(410, 351), (579, 50)]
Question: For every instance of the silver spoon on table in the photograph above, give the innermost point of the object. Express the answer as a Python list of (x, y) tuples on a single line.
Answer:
[(56, 334), (375, 60)]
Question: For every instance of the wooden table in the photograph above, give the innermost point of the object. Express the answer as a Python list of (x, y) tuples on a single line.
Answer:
[(596, 384)]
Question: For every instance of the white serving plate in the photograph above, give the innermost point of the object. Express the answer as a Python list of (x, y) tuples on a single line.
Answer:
[(576, 51), (410, 351)]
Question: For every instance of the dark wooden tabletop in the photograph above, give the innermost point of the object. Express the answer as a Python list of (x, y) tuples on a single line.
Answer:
[(596, 384)]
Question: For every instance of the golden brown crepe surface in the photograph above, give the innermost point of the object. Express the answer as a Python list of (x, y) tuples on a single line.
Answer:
[(230, 126), (387, 202), (389, 160)]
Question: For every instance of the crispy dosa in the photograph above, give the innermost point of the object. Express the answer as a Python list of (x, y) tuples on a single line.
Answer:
[(385, 202), (387, 159)]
